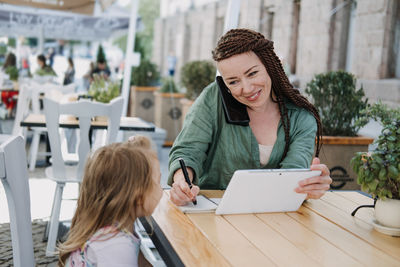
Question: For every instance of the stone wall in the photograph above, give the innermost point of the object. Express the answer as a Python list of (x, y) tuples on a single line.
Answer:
[(324, 41), (371, 39), (281, 28), (386, 90), (313, 41)]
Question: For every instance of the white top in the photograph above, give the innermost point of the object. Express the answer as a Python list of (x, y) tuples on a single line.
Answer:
[(265, 153), (118, 250), (107, 249)]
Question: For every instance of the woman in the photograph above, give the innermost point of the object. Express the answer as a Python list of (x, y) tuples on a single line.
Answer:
[(70, 72), (44, 69), (11, 61), (253, 118)]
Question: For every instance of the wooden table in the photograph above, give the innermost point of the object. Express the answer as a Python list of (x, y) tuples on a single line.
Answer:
[(321, 233), (66, 121)]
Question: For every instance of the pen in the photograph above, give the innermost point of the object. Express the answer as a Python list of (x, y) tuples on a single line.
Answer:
[(184, 170)]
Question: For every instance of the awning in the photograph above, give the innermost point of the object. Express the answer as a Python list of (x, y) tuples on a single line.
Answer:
[(23, 21), (77, 6)]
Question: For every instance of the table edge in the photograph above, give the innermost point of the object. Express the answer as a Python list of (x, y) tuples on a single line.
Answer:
[(160, 241), (152, 128)]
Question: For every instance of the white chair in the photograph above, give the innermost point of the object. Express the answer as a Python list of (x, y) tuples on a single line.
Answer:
[(36, 90), (24, 96), (59, 172), (14, 176)]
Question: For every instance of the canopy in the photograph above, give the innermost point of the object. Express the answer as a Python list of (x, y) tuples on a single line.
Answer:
[(25, 21), (77, 6)]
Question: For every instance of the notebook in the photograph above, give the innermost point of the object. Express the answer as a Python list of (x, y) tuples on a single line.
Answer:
[(204, 205)]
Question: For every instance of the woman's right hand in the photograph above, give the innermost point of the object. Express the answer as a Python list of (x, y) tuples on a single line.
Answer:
[(180, 193)]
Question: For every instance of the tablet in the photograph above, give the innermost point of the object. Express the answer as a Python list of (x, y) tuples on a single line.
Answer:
[(257, 191)]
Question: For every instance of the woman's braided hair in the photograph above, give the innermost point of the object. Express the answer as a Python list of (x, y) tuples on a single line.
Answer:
[(238, 41)]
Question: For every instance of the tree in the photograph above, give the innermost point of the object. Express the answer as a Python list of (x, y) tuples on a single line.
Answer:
[(148, 11), (101, 57)]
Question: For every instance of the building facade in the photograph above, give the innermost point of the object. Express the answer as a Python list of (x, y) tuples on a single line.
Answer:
[(310, 37)]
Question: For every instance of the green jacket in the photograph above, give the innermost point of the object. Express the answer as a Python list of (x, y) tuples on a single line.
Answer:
[(215, 149)]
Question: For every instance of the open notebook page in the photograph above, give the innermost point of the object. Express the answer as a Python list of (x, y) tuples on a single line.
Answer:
[(203, 205)]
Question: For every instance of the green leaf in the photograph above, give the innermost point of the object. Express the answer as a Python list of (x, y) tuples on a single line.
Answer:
[(372, 185), (374, 166), (391, 138), (393, 172), (378, 159), (382, 174), (369, 178), (364, 187)]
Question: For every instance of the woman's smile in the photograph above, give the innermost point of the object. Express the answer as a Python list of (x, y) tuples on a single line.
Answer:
[(254, 96)]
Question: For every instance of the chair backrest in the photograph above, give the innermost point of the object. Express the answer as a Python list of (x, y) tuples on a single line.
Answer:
[(84, 110), (29, 93), (14, 176), (22, 107), (47, 88)]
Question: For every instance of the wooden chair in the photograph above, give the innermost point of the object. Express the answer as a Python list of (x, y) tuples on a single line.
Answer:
[(14, 176), (59, 172)]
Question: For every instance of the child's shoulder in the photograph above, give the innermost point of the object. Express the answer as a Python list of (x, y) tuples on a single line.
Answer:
[(107, 239), (113, 246)]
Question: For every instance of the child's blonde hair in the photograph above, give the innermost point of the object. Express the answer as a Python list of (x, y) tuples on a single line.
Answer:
[(116, 180)]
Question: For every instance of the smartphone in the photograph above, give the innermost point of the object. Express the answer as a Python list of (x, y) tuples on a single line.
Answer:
[(235, 112)]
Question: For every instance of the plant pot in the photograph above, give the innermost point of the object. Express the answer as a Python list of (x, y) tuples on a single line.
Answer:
[(141, 102), (336, 153), (15, 85), (168, 114), (387, 212), (186, 104)]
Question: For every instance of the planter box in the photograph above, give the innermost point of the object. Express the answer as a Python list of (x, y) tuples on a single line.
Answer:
[(336, 153), (168, 114), (141, 102)]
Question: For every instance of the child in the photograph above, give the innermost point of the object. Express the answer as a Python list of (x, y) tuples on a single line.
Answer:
[(121, 182)]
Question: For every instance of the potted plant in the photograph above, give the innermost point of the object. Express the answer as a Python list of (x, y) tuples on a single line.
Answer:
[(144, 79), (378, 172), (195, 76), (103, 90), (168, 109), (339, 104)]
